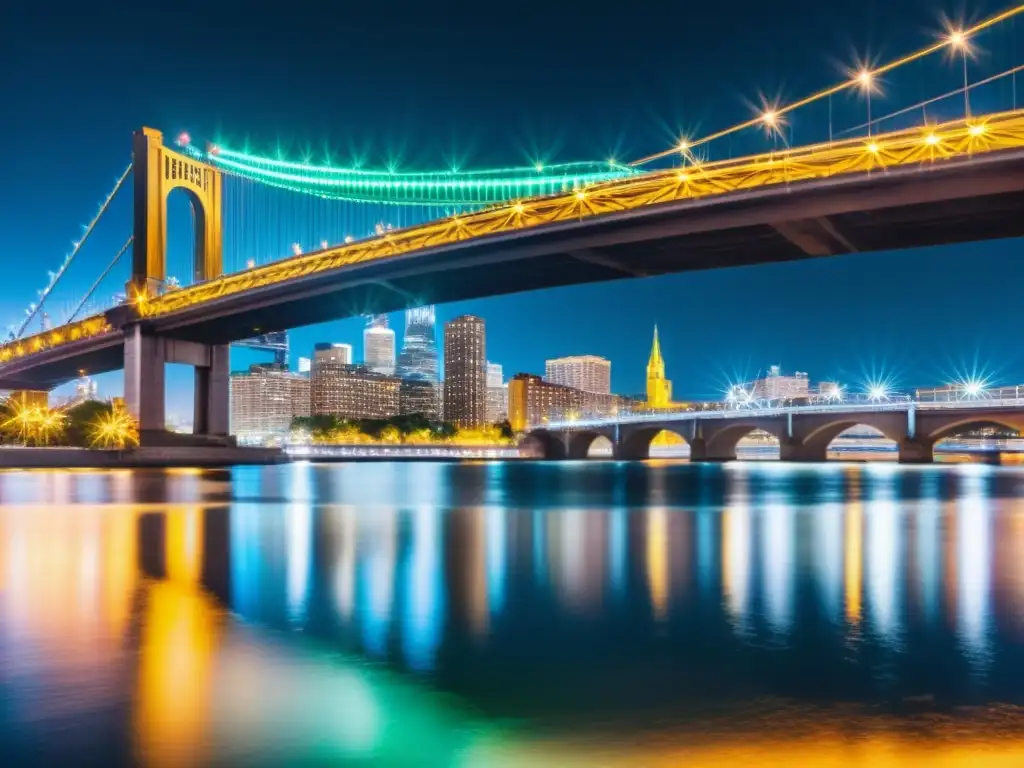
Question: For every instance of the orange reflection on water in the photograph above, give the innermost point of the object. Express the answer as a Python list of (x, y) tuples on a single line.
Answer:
[(853, 559), (657, 561)]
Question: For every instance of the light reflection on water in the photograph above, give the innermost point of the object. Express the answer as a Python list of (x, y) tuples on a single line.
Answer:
[(513, 614)]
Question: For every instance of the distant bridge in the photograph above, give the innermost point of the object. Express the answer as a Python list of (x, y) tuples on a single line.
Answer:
[(804, 432)]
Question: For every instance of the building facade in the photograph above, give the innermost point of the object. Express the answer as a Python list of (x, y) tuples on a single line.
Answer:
[(465, 372), (497, 405), (659, 389), (339, 354), (352, 392), (264, 400), (589, 373), (418, 358), (778, 386), (533, 401), (379, 346), (419, 395)]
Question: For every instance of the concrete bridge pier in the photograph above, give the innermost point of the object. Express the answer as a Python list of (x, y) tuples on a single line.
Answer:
[(916, 451), (145, 356)]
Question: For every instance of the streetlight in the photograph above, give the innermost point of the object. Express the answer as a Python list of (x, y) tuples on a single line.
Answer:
[(958, 40), (878, 392), (866, 80)]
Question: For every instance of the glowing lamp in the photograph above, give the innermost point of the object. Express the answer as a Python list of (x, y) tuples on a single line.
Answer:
[(770, 118), (957, 39), (976, 130), (873, 148), (865, 78), (184, 139), (931, 139)]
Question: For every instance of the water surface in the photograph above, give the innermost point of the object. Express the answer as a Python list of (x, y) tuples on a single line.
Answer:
[(514, 614)]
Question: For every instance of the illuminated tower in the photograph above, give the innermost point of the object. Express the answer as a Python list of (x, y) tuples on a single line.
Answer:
[(659, 389)]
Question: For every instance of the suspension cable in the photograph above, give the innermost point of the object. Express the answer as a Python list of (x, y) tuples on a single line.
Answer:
[(99, 280), (837, 88), (34, 309)]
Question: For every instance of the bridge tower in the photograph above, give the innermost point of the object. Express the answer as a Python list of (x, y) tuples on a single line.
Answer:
[(157, 172)]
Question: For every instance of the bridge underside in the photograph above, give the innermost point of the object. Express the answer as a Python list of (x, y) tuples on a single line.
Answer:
[(944, 204)]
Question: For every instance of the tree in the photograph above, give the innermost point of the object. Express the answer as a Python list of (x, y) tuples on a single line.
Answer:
[(80, 419)]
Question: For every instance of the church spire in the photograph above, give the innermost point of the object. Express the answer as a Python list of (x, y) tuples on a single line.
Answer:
[(659, 389)]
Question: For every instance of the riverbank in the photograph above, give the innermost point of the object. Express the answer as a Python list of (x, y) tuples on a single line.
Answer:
[(159, 456)]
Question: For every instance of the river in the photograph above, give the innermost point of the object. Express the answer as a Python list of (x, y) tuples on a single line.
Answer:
[(514, 614)]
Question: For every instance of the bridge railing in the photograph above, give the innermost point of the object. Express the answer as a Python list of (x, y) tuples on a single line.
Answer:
[(981, 403)]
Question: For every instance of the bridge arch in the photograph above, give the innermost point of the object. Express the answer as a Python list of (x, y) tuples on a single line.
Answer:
[(636, 444), (815, 444), (721, 443), (579, 443), (544, 444), (158, 171), (975, 421)]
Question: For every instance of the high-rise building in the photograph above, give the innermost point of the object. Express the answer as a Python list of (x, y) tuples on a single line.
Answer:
[(497, 407), (339, 354), (379, 346), (778, 386), (418, 395), (305, 365), (352, 392), (587, 372), (419, 346), (264, 400), (659, 389), (465, 372)]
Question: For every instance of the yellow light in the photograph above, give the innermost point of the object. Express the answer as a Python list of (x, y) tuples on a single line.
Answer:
[(581, 195), (519, 207), (931, 139), (683, 145), (957, 39), (873, 148), (976, 130), (864, 77), (770, 118), (683, 176)]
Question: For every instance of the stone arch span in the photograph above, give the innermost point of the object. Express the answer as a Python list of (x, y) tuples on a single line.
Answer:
[(635, 445), (720, 441), (579, 443), (965, 423), (815, 444), (551, 445)]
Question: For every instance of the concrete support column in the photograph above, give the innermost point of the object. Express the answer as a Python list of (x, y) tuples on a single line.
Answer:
[(916, 451), (698, 449), (144, 380), (212, 393), (794, 450)]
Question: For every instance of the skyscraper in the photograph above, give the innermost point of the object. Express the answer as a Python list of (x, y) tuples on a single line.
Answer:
[(419, 347), (659, 389), (352, 392), (465, 372), (586, 372), (379, 346), (497, 408)]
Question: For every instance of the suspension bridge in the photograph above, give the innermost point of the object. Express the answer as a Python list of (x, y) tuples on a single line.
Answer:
[(278, 243)]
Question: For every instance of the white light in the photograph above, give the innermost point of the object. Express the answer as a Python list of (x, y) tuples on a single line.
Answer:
[(878, 392), (770, 118), (957, 39), (864, 77), (683, 145), (974, 388), (251, 263), (873, 148), (323, 244), (976, 130), (931, 139)]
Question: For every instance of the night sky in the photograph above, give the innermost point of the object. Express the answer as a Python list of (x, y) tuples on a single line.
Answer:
[(498, 84)]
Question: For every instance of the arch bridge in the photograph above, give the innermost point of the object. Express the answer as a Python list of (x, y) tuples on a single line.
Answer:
[(804, 433)]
